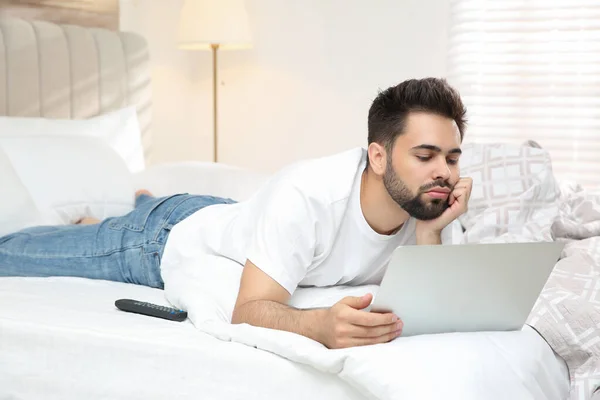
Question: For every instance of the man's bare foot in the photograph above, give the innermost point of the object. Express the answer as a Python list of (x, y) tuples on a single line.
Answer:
[(88, 221), (140, 192)]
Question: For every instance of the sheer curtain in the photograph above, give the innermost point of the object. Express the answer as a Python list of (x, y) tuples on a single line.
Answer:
[(530, 70)]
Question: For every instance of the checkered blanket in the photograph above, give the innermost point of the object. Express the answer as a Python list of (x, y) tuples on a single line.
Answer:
[(516, 199)]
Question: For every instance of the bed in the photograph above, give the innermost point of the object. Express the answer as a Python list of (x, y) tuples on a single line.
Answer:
[(62, 338), (67, 341)]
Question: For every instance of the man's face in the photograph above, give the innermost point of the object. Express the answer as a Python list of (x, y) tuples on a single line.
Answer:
[(422, 168)]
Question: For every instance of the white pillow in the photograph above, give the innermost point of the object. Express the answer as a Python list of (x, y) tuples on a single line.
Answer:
[(18, 211), (70, 177), (120, 129), (199, 178)]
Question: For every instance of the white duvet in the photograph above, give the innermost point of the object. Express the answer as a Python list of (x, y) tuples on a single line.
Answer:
[(490, 365)]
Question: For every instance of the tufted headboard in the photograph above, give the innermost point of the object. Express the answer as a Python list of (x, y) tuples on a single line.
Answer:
[(70, 72)]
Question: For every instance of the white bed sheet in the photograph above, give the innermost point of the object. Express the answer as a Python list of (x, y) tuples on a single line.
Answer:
[(462, 366), (62, 338)]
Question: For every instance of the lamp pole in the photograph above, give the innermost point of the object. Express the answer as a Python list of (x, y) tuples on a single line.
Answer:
[(215, 48)]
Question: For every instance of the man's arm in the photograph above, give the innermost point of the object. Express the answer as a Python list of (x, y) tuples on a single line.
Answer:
[(263, 302)]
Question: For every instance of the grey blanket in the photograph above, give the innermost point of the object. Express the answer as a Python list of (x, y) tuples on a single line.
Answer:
[(567, 313)]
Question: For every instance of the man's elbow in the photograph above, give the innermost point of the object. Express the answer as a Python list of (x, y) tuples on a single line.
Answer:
[(237, 315), (240, 312)]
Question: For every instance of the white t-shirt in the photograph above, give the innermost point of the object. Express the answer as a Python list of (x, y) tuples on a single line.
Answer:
[(304, 227)]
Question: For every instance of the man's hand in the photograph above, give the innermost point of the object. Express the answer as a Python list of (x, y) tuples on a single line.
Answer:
[(263, 302), (345, 325), (458, 201)]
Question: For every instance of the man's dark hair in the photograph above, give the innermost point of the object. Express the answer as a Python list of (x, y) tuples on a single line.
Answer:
[(390, 109)]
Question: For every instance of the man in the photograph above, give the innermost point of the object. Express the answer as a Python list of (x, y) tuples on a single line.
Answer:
[(328, 221)]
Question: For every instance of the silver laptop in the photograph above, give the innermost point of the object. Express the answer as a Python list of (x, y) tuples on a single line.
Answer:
[(465, 288)]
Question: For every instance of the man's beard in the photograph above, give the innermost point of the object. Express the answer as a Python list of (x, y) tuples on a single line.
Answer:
[(414, 205)]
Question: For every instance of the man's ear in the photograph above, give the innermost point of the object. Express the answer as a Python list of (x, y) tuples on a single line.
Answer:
[(377, 158)]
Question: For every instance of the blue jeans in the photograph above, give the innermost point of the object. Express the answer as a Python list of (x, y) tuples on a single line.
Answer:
[(123, 249)]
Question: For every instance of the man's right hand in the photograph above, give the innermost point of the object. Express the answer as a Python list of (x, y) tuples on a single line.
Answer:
[(346, 325), (263, 302)]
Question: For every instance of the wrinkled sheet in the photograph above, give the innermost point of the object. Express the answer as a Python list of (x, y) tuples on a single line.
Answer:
[(461, 366)]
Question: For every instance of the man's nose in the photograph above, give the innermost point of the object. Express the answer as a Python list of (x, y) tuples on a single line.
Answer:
[(442, 170)]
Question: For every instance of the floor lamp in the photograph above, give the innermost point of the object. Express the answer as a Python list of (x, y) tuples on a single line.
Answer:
[(214, 25)]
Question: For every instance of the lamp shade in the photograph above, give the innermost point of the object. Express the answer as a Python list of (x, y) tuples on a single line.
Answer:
[(206, 22)]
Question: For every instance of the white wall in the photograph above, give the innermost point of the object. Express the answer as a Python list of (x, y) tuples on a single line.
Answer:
[(302, 91), (181, 82)]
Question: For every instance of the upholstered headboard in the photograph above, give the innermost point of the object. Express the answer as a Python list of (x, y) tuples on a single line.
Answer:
[(65, 71)]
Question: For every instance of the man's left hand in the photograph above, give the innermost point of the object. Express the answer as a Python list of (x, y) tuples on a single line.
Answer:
[(458, 201)]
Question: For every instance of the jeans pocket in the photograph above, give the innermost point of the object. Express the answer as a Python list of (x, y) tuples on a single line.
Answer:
[(136, 219)]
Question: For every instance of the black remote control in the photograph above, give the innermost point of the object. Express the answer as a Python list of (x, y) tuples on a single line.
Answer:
[(153, 310)]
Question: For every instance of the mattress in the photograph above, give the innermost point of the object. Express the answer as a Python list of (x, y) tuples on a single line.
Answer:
[(63, 338)]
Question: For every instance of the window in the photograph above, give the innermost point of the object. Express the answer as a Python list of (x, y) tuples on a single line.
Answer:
[(530, 70)]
